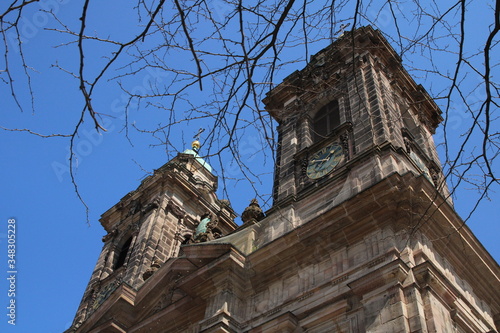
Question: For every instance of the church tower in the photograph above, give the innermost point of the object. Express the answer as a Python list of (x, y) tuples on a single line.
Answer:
[(362, 235), (354, 101), (176, 205)]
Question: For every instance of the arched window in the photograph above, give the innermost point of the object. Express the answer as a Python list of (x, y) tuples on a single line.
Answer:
[(325, 120), (123, 253)]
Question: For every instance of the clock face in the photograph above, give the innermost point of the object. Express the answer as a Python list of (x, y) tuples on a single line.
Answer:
[(324, 161)]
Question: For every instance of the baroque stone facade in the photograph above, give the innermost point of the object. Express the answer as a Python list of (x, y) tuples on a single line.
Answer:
[(362, 235)]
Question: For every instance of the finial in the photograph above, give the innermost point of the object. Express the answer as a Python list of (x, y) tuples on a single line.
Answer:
[(196, 145), (252, 212)]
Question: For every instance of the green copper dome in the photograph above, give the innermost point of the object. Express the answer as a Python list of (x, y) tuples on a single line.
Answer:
[(194, 152)]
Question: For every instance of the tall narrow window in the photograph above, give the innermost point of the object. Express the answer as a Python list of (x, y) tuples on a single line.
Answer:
[(123, 253), (325, 120)]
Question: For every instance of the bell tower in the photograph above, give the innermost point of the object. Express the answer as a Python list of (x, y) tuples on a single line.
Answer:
[(354, 101), (176, 205)]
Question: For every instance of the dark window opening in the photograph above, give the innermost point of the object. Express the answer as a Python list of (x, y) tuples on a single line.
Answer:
[(326, 120), (123, 253), (217, 233), (186, 240)]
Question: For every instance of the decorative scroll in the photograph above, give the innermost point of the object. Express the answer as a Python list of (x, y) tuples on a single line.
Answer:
[(109, 235), (152, 205), (175, 210), (344, 140)]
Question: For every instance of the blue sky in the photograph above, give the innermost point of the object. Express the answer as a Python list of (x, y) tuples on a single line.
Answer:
[(56, 247)]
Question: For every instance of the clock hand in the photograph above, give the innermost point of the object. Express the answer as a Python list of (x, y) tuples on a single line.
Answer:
[(329, 155), (322, 161)]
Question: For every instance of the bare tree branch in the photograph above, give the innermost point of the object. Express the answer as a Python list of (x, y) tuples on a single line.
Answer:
[(241, 50)]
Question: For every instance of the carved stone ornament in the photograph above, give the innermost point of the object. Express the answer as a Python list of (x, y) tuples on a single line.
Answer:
[(206, 229), (155, 265), (175, 210), (109, 235), (225, 203), (303, 166), (135, 207), (344, 139), (103, 294), (183, 233), (201, 185), (134, 227), (252, 212), (434, 176), (407, 142), (152, 205), (167, 298)]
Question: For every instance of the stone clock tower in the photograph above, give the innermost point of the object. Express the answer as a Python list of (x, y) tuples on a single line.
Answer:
[(362, 235), (348, 104)]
